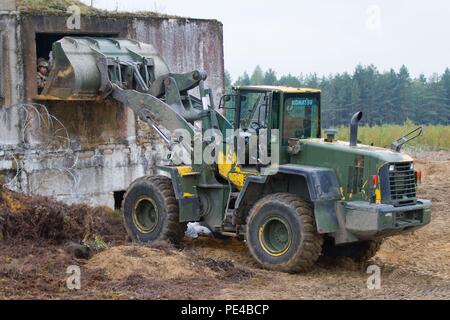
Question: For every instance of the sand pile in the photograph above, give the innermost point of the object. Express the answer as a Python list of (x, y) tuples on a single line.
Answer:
[(152, 263)]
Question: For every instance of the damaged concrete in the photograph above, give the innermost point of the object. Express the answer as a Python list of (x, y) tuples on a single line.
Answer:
[(106, 149)]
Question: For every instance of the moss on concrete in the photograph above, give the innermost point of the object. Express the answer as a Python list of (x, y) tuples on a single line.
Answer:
[(59, 7), (54, 6)]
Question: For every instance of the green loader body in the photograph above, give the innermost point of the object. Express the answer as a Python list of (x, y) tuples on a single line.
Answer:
[(319, 195)]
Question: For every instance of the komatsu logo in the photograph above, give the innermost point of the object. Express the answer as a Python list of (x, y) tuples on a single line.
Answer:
[(302, 102)]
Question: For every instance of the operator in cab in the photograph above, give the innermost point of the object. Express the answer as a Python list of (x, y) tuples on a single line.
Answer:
[(42, 74)]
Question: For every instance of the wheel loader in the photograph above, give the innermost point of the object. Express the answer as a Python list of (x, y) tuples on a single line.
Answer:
[(292, 198)]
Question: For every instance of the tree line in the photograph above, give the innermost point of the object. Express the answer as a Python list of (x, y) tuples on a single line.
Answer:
[(389, 97)]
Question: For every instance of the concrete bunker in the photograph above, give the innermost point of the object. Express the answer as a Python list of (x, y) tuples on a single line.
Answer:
[(107, 146)]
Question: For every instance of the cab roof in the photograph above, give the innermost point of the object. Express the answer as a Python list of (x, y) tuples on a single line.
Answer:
[(276, 89)]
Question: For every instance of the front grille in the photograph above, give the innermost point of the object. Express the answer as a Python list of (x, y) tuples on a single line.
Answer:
[(402, 183)]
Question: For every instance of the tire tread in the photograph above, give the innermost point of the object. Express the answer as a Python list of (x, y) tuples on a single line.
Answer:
[(172, 230), (312, 241)]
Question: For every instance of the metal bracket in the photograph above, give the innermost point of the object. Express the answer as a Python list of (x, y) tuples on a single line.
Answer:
[(398, 144)]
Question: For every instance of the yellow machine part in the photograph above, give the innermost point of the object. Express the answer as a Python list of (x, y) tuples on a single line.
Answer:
[(184, 170), (230, 170)]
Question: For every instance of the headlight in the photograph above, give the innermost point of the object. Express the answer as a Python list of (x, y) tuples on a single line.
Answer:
[(412, 166), (391, 168)]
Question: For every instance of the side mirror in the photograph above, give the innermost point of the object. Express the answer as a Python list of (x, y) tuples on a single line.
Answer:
[(226, 99)]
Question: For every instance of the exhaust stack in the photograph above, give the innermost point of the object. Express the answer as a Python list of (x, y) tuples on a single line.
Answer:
[(354, 128)]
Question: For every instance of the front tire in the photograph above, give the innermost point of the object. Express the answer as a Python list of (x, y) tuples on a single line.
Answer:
[(151, 212), (282, 235)]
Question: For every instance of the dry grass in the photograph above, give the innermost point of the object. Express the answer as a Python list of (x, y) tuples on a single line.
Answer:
[(434, 137)]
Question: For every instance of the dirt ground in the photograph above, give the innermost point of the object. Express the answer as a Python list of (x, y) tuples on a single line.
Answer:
[(33, 262)]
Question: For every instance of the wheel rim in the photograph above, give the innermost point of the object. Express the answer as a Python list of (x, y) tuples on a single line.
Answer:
[(145, 214), (275, 236)]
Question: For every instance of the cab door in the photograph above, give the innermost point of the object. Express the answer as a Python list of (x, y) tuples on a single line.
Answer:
[(253, 124)]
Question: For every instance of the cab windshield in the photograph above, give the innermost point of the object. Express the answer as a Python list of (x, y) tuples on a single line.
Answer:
[(301, 116)]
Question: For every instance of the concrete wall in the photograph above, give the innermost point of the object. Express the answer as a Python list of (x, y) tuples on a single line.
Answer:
[(11, 80), (186, 45), (7, 5), (107, 151)]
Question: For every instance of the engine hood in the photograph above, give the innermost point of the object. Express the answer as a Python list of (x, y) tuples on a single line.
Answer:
[(338, 147), (354, 166)]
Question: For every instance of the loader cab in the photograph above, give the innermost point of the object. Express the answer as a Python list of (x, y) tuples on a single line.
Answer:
[(283, 113)]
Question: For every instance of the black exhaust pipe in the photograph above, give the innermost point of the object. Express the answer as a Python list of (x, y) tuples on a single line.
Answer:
[(354, 128)]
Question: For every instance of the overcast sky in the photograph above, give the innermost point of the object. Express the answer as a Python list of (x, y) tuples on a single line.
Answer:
[(322, 36)]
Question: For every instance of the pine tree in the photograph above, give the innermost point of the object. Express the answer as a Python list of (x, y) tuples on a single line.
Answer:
[(270, 78), (290, 81), (243, 80), (404, 91), (436, 101), (445, 80), (227, 81), (257, 77), (418, 93)]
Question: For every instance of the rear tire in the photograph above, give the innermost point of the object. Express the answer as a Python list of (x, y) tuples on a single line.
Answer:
[(282, 235), (151, 212), (358, 251)]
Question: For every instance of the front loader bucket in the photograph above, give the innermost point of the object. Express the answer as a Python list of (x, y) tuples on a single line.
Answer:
[(83, 67)]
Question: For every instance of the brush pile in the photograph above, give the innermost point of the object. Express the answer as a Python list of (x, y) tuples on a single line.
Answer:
[(39, 219)]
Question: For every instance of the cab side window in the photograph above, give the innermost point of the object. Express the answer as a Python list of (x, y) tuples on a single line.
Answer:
[(254, 110), (300, 117), (260, 116)]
